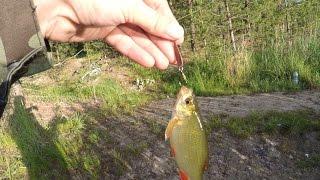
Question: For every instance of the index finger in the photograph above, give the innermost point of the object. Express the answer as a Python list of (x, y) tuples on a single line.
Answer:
[(163, 8)]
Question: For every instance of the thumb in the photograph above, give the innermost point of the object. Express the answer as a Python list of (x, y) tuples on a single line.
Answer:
[(154, 23)]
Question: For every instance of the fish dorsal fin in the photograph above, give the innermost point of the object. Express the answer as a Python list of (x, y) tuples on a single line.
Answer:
[(170, 127)]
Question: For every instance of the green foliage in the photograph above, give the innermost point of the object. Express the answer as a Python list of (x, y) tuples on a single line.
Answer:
[(274, 66), (67, 133), (38, 153), (99, 49), (155, 127), (135, 149), (290, 124), (266, 70), (242, 128), (273, 40), (284, 123), (310, 162), (75, 144), (214, 123), (111, 94), (65, 50), (10, 166)]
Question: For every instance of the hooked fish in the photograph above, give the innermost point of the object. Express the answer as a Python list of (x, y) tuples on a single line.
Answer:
[(188, 141)]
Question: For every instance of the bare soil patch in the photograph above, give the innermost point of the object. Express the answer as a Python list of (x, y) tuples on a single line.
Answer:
[(256, 157)]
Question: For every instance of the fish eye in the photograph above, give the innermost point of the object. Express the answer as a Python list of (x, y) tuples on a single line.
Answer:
[(188, 101)]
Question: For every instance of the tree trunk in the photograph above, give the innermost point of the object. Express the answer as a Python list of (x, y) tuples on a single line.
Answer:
[(192, 27), (220, 24), (233, 42), (287, 24), (247, 26), (246, 20)]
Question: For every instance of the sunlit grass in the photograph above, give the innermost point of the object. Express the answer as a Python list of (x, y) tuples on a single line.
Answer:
[(26, 150), (68, 146), (71, 143), (68, 135), (266, 70), (112, 96), (11, 165), (284, 123)]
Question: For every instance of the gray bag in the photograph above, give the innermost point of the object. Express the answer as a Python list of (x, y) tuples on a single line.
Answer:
[(23, 51)]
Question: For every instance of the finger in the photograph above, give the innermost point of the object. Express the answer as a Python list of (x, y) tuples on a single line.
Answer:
[(89, 33), (139, 37), (125, 45), (165, 46), (154, 23), (161, 6)]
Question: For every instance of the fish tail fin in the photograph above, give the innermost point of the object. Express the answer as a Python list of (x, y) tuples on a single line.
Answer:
[(183, 175)]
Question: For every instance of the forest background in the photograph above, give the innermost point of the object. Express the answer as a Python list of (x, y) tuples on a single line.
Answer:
[(97, 114), (235, 46)]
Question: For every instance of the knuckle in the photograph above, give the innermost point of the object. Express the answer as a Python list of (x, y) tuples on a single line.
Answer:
[(156, 4), (158, 23)]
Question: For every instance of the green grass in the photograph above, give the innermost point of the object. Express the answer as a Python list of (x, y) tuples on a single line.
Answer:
[(248, 71), (77, 145), (111, 94), (283, 123), (38, 156), (67, 135), (311, 162), (155, 127), (81, 144), (135, 149), (11, 164), (84, 144)]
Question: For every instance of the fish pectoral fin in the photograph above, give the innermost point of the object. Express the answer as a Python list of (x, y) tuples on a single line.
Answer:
[(173, 152), (170, 127), (205, 166), (183, 175)]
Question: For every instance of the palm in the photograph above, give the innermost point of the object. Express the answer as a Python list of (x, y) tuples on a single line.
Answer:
[(111, 21)]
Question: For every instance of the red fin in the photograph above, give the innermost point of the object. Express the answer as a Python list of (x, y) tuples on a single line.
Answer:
[(172, 123), (183, 175), (205, 166), (173, 152)]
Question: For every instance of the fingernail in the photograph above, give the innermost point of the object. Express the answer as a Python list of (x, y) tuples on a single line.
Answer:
[(175, 31)]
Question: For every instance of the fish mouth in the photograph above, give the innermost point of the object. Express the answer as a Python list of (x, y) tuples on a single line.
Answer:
[(185, 90)]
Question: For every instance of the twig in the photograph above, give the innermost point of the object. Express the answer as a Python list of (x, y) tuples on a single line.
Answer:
[(61, 63)]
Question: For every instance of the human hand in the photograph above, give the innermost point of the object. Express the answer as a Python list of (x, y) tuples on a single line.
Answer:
[(143, 30)]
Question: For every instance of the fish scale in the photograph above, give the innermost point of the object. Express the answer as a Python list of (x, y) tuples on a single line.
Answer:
[(187, 137), (186, 140)]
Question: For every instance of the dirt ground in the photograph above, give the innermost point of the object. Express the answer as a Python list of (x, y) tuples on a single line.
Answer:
[(256, 157), (230, 157)]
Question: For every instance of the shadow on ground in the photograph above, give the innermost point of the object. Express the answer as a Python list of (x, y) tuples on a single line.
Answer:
[(39, 153), (93, 144)]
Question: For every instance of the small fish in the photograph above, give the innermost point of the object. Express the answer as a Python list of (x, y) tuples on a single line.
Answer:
[(188, 141)]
